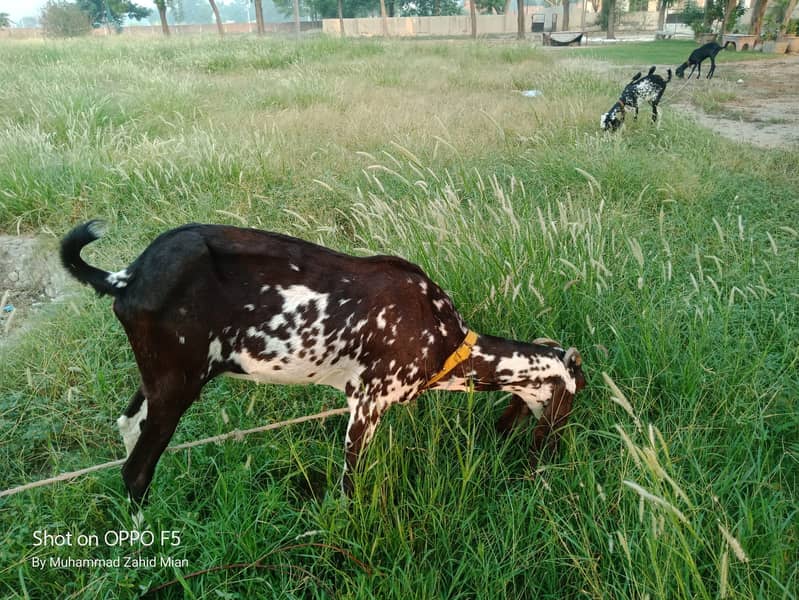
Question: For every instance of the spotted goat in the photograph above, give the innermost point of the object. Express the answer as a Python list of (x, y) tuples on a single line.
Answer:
[(208, 300), (639, 90)]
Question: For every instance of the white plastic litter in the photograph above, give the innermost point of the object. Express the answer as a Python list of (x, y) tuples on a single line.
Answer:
[(531, 93)]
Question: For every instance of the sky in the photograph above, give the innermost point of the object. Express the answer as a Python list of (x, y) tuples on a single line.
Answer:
[(17, 9)]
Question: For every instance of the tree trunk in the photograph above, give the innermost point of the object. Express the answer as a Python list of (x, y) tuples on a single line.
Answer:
[(565, 26), (728, 10), (341, 16), (758, 10), (611, 19), (788, 12), (162, 14), (662, 8), (437, 8), (473, 18), (259, 17), (219, 26), (383, 16), (297, 17), (520, 19)]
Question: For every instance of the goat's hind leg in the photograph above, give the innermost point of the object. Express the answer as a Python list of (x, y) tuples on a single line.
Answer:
[(712, 68), (132, 420), (164, 405)]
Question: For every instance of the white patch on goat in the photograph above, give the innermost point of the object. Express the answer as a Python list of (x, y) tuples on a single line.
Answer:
[(130, 427), (439, 304), (381, 319), (296, 371), (181, 339), (294, 267), (118, 279), (423, 287), (249, 307), (442, 329), (265, 288), (477, 352), (276, 321)]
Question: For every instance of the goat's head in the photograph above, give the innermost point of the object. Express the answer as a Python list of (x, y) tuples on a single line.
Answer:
[(613, 119), (680, 71), (571, 359)]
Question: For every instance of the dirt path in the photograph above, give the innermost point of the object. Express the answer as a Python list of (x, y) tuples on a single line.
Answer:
[(753, 102), (30, 277)]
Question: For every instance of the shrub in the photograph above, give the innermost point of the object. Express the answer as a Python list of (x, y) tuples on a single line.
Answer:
[(64, 19)]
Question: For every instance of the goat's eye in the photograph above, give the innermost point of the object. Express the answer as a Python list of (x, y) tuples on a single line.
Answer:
[(536, 384)]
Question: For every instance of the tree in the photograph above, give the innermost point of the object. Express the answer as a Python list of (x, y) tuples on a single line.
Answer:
[(473, 18), (758, 11), (732, 12), (112, 12), (608, 16), (5, 20), (64, 19), (520, 19), (786, 19), (161, 6), (260, 26), (491, 6), (217, 18), (429, 8), (663, 6), (565, 25)]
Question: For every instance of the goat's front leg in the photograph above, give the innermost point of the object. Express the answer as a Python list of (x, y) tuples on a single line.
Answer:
[(547, 431), (364, 418), (712, 67), (514, 414)]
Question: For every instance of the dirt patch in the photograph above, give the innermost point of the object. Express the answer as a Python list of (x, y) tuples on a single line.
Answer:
[(753, 102), (30, 277)]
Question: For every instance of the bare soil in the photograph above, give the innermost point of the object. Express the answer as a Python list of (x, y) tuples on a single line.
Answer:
[(753, 102), (30, 277)]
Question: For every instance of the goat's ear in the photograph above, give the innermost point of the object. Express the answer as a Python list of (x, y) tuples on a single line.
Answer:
[(544, 341), (574, 363)]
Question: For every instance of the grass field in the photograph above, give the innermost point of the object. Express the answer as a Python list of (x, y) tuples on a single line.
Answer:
[(668, 255)]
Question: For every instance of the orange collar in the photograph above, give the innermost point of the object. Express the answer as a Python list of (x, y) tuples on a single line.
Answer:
[(461, 354)]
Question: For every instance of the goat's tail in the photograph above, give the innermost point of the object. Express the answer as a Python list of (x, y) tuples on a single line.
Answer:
[(651, 70), (72, 244), (668, 72)]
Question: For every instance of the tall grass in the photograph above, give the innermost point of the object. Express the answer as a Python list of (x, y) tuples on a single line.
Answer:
[(667, 255)]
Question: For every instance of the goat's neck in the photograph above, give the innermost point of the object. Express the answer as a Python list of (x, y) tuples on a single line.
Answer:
[(500, 364)]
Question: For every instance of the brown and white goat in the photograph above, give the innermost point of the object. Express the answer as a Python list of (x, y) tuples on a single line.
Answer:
[(207, 300)]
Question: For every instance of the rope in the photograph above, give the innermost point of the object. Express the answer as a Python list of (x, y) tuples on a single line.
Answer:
[(671, 96), (237, 434)]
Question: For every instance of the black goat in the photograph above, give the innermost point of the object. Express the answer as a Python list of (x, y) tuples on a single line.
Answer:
[(709, 50), (639, 90), (209, 300)]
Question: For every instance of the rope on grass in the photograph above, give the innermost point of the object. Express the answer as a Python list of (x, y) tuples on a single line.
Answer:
[(236, 434)]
